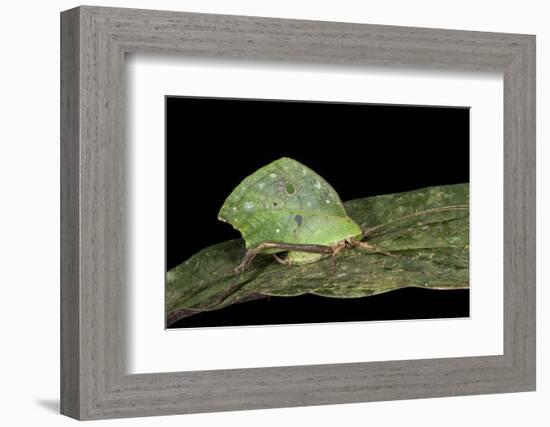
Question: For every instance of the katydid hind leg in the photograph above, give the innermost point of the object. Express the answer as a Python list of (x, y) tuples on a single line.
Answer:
[(252, 253), (245, 263)]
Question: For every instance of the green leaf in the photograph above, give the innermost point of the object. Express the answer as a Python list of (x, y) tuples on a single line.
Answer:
[(428, 229)]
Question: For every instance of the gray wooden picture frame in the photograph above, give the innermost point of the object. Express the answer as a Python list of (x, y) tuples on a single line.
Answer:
[(94, 382)]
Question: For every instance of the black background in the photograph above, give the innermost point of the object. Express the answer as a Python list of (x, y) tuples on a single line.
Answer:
[(360, 149)]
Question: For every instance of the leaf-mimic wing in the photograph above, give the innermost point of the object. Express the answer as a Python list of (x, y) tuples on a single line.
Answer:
[(287, 202)]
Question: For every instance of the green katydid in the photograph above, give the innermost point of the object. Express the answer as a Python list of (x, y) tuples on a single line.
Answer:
[(287, 207)]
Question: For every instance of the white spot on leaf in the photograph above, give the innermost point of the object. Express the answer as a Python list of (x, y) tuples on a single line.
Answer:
[(278, 230), (327, 201), (317, 185), (261, 185), (248, 205), (273, 175)]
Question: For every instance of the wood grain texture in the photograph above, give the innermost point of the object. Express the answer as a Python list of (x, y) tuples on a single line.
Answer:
[(94, 272), (70, 220)]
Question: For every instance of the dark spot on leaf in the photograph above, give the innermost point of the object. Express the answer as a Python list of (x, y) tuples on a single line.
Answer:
[(290, 188), (298, 219), (274, 203)]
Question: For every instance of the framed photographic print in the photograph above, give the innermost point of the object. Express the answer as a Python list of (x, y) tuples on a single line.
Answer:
[(263, 213), (285, 202)]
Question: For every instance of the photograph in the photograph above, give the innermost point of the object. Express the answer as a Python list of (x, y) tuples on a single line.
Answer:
[(269, 210), (303, 212)]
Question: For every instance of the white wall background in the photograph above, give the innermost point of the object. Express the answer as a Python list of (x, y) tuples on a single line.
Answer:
[(29, 212)]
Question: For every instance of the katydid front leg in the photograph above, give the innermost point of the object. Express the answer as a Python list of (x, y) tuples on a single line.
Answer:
[(364, 245)]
